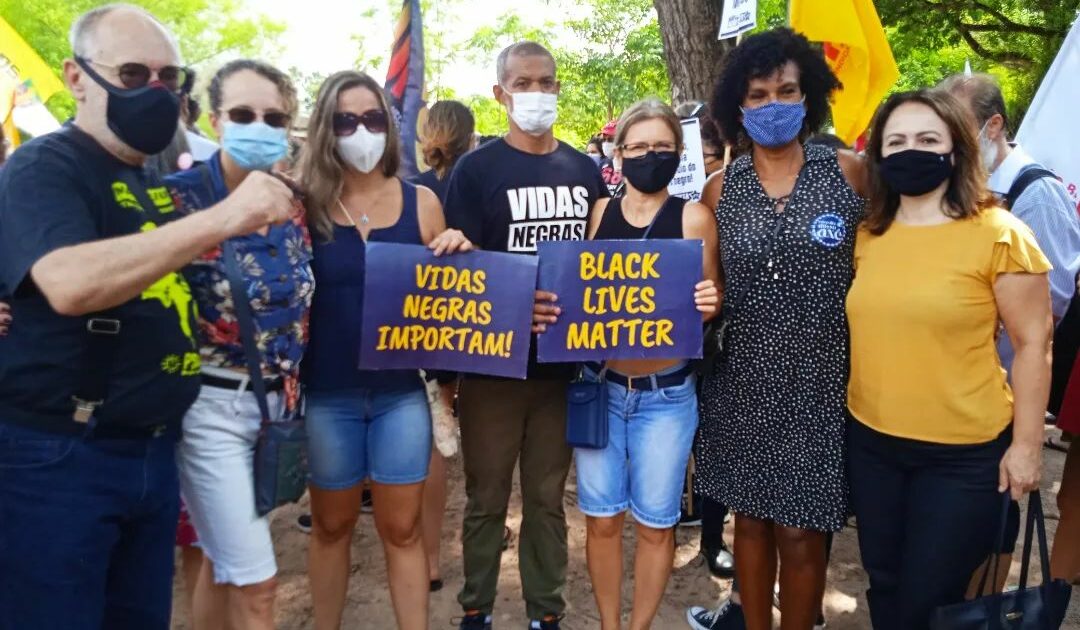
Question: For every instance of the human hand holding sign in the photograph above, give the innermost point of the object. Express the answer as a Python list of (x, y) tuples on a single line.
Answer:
[(450, 242), (5, 318), (706, 297), (259, 201), (544, 311)]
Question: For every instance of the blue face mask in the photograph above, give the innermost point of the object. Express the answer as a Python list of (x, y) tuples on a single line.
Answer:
[(255, 146), (774, 124)]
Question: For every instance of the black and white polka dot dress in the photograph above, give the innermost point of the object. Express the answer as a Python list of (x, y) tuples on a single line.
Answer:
[(771, 440)]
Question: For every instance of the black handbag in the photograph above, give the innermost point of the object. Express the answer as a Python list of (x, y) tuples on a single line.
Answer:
[(1027, 608), (587, 411), (281, 449)]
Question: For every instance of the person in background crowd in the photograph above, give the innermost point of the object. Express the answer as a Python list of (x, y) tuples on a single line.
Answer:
[(1065, 556), (200, 148), (505, 420), (611, 176), (787, 215), (448, 134), (595, 149), (644, 464), (712, 147), (89, 489), (936, 436), (251, 105), (362, 424), (1039, 200)]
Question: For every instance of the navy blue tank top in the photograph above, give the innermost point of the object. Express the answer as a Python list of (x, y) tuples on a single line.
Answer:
[(613, 225), (334, 346)]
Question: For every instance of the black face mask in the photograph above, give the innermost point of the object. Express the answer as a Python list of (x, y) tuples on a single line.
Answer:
[(651, 172), (144, 118), (912, 173)]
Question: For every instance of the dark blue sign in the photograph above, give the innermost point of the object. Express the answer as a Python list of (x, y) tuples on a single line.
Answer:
[(466, 312), (621, 300)]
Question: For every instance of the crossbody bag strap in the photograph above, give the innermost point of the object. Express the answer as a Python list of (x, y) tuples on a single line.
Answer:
[(774, 236), (246, 322)]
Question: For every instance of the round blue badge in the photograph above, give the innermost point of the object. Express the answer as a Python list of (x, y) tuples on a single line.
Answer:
[(828, 230)]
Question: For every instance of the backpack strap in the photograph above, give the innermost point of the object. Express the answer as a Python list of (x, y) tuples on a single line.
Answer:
[(1028, 176)]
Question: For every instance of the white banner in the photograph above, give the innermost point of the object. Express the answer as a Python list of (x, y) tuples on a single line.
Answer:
[(690, 178), (738, 17), (1051, 129)]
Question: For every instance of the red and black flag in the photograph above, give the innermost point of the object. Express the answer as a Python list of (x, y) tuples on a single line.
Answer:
[(405, 81)]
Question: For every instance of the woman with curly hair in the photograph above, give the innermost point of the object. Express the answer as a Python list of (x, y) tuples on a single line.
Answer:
[(771, 443)]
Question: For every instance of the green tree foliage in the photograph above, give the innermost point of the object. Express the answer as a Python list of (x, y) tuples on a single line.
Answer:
[(208, 32)]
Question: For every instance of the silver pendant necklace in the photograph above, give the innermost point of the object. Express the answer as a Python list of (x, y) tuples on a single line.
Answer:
[(364, 220)]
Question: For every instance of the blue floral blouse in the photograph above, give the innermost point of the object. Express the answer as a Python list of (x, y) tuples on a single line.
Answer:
[(280, 284)]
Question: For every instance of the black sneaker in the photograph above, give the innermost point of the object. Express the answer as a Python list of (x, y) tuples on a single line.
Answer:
[(366, 506), (720, 561), (728, 616), (303, 523), (690, 520), (549, 622), (475, 620)]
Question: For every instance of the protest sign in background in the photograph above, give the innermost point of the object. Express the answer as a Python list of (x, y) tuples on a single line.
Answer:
[(738, 17), (1051, 128), (465, 312), (689, 180), (621, 300)]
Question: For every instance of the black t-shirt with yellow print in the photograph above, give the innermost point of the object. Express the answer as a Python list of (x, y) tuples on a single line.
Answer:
[(60, 190)]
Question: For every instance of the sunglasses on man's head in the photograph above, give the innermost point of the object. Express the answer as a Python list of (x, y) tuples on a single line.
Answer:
[(246, 116), (374, 120), (136, 75)]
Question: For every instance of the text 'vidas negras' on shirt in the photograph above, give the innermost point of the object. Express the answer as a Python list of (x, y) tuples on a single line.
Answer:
[(546, 213)]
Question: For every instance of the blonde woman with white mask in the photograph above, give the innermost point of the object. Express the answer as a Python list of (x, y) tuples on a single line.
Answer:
[(362, 424)]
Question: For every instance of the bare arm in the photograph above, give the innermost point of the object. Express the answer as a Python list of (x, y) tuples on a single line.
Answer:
[(714, 188), (99, 275), (1024, 306), (700, 223), (855, 172)]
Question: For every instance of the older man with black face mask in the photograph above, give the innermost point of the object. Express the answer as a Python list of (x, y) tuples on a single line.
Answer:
[(507, 196), (102, 364)]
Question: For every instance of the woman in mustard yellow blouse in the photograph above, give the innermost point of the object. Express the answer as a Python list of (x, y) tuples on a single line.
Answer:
[(937, 434)]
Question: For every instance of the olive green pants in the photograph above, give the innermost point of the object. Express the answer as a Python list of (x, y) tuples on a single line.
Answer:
[(503, 422)]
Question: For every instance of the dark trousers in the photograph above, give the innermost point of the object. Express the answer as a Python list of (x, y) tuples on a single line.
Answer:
[(927, 516), (506, 424), (86, 531), (713, 514)]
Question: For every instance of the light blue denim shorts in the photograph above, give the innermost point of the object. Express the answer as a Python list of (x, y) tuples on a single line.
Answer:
[(358, 434), (643, 468)]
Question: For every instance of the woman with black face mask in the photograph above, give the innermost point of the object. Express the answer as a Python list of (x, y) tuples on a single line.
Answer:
[(652, 412), (771, 444), (937, 433)]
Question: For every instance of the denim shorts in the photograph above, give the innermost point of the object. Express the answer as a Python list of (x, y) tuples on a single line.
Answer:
[(358, 434), (643, 468)]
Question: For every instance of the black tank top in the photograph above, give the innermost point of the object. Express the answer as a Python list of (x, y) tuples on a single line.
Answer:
[(613, 225)]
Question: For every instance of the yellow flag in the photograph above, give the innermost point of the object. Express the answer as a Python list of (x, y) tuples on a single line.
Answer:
[(20, 63), (857, 51)]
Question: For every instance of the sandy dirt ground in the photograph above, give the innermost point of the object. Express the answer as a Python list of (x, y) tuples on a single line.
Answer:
[(368, 606)]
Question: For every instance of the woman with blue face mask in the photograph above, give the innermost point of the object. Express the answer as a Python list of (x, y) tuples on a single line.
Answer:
[(771, 443), (251, 107)]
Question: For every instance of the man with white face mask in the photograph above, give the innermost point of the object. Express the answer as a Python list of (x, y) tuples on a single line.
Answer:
[(507, 196), (1033, 193)]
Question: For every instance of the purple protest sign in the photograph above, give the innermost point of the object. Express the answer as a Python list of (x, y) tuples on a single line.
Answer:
[(466, 312), (621, 300)]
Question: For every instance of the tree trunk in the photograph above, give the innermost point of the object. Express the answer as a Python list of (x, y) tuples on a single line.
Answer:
[(694, 55)]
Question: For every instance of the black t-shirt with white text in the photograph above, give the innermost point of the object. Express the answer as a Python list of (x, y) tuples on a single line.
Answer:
[(60, 190), (506, 200)]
